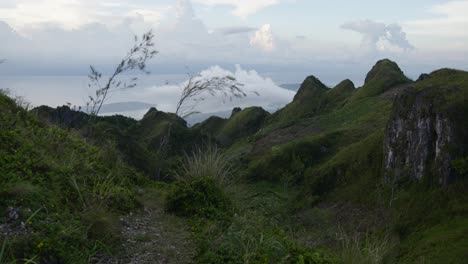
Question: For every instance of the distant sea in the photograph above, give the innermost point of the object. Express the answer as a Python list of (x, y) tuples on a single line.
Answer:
[(60, 90)]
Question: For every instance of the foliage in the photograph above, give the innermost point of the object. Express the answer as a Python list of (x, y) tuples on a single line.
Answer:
[(52, 178), (251, 240), (136, 59), (200, 197), (370, 249), (461, 166), (432, 223), (198, 85)]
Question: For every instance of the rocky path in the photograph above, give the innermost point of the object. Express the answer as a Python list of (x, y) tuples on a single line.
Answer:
[(152, 236)]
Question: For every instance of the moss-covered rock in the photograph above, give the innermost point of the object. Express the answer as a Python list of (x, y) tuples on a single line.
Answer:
[(428, 129)]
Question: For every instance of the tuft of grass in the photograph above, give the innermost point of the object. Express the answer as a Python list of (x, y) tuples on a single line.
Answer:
[(370, 249), (205, 162)]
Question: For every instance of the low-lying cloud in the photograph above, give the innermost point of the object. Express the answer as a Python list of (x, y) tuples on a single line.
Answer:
[(260, 91)]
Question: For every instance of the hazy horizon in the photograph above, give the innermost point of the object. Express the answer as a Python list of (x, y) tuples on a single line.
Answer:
[(48, 56)]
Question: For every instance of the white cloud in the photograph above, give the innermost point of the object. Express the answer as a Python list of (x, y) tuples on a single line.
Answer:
[(450, 21), (271, 97), (264, 39), (379, 36), (242, 8), (73, 14)]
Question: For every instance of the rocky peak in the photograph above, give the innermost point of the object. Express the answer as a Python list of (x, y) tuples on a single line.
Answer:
[(235, 111)]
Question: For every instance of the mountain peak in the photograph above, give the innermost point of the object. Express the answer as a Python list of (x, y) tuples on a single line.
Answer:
[(383, 76), (311, 86), (382, 69), (346, 86)]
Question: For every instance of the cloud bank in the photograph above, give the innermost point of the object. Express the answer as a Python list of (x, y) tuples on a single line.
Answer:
[(270, 96)]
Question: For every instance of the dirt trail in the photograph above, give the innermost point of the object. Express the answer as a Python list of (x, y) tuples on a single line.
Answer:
[(150, 235)]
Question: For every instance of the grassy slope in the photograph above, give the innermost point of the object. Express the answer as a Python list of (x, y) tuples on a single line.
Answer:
[(344, 163), (319, 185), (66, 192)]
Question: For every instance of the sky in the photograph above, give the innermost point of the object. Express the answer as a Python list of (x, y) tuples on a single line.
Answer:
[(282, 39)]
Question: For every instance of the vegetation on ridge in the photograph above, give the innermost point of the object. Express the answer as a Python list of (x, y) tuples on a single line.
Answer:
[(302, 185)]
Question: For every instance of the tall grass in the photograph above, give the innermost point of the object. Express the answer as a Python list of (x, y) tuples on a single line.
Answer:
[(205, 162), (368, 249)]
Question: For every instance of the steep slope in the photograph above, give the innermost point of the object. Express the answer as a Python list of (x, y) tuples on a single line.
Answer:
[(307, 101), (428, 129), (59, 196), (241, 124)]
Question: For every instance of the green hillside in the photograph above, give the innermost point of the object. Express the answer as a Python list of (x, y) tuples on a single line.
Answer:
[(376, 174)]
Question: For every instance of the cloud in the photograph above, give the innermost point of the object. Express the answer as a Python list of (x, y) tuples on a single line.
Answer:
[(264, 39), (379, 36), (182, 39), (235, 30), (73, 14), (449, 21), (242, 8), (271, 97)]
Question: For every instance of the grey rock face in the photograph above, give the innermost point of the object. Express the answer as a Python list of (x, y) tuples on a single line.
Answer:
[(417, 138)]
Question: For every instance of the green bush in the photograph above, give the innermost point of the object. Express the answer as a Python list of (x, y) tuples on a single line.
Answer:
[(253, 239), (202, 197)]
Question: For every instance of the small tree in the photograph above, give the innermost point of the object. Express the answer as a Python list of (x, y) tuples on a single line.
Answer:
[(136, 59), (197, 86)]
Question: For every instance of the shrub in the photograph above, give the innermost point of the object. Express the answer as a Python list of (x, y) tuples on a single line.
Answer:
[(250, 239), (202, 197)]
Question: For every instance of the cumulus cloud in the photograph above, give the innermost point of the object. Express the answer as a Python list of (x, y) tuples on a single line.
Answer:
[(270, 96), (242, 8), (379, 36), (264, 39)]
